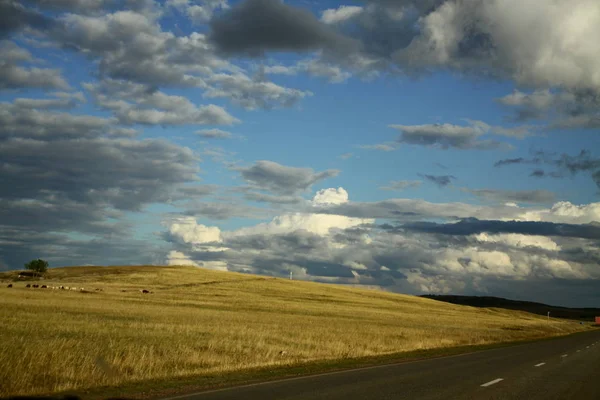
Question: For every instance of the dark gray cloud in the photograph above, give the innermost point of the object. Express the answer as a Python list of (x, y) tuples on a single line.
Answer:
[(281, 179), (540, 173), (26, 123), (509, 161), (583, 162), (447, 136), (253, 27), (70, 172), (518, 196), (473, 226), (15, 76), (122, 173), (267, 198), (440, 180), (14, 17), (111, 248), (566, 109)]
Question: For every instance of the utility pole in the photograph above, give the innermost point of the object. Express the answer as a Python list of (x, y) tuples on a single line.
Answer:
[(548, 315), (291, 275)]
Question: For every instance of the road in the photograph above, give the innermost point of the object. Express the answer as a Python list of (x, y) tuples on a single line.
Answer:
[(562, 368)]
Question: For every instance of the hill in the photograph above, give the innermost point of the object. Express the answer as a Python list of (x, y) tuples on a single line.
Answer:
[(209, 328), (583, 314)]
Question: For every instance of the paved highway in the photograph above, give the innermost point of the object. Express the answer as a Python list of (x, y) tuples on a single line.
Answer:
[(562, 368)]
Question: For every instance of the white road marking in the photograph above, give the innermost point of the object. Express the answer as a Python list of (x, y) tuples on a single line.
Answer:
[(539, 365), (490, 383)]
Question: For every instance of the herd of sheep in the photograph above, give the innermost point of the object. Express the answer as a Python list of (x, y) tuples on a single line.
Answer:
[(80, 289)]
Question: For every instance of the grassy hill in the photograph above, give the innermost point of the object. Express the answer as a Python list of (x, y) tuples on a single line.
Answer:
[(204, 328), (583, 314)]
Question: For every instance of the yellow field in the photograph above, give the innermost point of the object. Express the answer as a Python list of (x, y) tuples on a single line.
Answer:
[(198, 322)]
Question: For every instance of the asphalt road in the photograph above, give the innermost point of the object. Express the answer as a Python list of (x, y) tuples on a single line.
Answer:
[(563, 368)]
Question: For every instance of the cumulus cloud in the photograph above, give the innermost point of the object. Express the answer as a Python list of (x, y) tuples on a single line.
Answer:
[(188, 231), (178, 258), (252, 93), (198, 13), (496, 36), (19, 122), (281, 179), (470, 256), (15, 76), (133, 103), (330, 196)]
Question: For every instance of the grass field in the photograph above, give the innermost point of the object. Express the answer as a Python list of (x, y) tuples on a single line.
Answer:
[(208, 323)]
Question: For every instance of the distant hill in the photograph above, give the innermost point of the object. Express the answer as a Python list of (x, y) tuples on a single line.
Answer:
[(584, 314)]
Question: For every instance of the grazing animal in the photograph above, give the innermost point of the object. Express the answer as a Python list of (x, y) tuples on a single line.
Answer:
[(9, 285), (145, 291), (282, 353), (44, 287), (36, 286), (62, 288), (28, 285)]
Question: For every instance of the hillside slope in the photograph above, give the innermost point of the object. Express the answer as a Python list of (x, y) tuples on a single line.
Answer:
[(201, 323), (583, 314)]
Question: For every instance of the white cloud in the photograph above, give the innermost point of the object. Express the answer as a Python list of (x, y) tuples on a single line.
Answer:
[(178, 258), (340, 14), (565, 212), (536, 42), (330, 196), (518, 240), (189, 231)]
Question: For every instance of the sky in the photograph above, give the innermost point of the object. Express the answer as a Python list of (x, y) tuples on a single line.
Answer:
[(419, 147)]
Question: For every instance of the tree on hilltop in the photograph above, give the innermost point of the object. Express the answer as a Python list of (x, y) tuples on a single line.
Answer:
[(38, 265)]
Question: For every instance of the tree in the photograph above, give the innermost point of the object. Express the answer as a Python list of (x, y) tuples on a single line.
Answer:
[(38, 265)]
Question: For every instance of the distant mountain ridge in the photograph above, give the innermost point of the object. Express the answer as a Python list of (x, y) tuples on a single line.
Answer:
[(584, 314)]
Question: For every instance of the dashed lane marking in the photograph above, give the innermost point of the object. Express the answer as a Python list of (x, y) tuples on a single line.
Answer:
[(490, 383)]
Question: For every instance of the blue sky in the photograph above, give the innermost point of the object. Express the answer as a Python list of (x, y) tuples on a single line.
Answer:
[(341, 118)]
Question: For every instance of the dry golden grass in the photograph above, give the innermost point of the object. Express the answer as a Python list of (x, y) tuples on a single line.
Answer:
[(200, 322)]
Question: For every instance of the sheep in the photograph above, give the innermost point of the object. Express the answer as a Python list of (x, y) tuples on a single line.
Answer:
[(9, 285), (36, 286), (44, 287), (145, 291), (28, 285)]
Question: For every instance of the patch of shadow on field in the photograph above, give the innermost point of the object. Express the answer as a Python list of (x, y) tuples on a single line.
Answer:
[(193, 284)]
